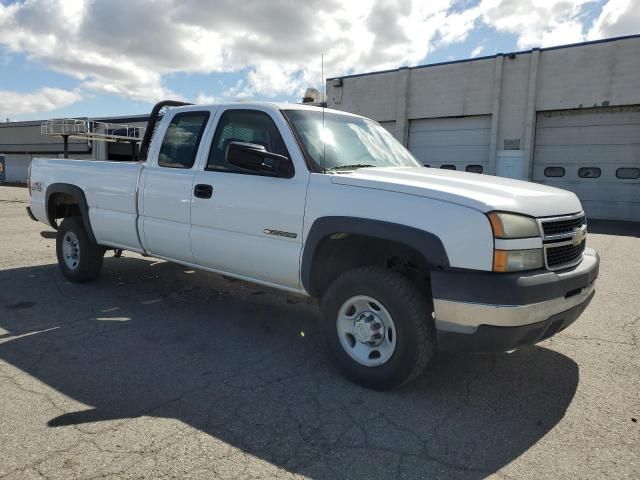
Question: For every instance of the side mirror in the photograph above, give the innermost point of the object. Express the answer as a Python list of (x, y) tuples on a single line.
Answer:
[(255, 158)]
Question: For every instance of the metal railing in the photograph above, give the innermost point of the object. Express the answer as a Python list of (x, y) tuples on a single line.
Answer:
[(92, 130)]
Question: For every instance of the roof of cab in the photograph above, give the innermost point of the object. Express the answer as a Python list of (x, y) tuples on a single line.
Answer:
[(267, 106)]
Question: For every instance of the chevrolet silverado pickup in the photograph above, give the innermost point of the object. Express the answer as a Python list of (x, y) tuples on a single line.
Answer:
[(405, 260)]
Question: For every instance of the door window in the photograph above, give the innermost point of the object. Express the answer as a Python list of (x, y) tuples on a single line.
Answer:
[(246, 126), (180, 143)]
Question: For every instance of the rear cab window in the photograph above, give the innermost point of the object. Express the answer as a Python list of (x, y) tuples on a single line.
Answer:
[(182, 139)]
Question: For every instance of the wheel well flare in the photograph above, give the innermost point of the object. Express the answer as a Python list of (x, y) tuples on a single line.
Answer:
[(336, 245), (65, 200)]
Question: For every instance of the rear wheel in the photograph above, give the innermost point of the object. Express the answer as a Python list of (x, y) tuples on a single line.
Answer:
[(379, 327), (79, 258)]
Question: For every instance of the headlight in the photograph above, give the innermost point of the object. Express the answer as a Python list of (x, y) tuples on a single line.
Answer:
[(507, 226), (517, 260), (511, 225)]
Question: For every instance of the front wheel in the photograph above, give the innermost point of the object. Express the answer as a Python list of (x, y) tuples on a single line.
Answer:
[(379, 326), (79, 258)]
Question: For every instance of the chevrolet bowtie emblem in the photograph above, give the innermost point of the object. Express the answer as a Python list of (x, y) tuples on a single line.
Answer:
[(580, 235)]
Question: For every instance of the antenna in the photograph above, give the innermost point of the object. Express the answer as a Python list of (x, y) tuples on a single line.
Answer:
[(322, 104), (255, 90)]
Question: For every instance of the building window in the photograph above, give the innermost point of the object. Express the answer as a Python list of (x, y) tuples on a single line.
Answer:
[(589, 172), (554, 172), (448, 167), (628, 173), (474, 168), (512, 144)]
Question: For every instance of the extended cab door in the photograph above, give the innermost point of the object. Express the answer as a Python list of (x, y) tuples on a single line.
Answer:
[(167, 185), (251, 225)]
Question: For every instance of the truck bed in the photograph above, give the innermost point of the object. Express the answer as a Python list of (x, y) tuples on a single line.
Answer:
[(109, 188)]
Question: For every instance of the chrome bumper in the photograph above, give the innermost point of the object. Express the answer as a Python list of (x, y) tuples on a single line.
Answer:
[(464, 301), (465, 317)]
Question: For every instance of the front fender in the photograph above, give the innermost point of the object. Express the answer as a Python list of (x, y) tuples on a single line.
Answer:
[(426, 243)]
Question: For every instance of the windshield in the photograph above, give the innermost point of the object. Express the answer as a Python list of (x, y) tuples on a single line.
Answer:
[(347, 142)]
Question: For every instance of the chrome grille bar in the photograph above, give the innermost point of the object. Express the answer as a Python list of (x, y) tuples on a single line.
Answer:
[(564, 238)]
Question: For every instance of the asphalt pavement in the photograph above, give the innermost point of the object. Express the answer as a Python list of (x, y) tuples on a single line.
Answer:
[(158, 371)]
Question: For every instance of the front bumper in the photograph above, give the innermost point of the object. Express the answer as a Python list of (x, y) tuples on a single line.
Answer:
[(489, 312)]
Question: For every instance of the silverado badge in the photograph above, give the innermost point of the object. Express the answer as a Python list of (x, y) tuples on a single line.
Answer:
[(280, 233)]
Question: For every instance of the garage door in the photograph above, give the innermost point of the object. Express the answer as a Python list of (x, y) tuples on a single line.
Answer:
[(455, 142), (594, 153)]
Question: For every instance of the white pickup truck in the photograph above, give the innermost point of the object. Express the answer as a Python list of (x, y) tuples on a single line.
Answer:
[(405, 259)]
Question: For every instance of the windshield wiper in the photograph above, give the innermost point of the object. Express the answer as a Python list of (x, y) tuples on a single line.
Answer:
[(350, 167)]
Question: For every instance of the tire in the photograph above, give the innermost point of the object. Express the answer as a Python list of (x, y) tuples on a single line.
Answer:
[(72, 238), (412, 326)]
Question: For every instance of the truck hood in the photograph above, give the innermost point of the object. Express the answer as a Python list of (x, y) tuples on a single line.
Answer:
[(481, 192)]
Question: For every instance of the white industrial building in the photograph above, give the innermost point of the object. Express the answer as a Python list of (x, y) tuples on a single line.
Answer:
[(565, 116)]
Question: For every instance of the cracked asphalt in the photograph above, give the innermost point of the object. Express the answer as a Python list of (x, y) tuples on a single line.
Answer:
[(156, 371)]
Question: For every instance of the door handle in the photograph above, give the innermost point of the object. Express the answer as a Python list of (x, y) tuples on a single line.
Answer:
[(203, 191)]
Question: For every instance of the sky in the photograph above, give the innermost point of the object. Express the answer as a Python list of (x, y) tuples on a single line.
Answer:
[(77, 58)]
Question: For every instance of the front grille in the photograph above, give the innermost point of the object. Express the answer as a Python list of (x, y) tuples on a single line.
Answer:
[(562, 226), (564, 254)]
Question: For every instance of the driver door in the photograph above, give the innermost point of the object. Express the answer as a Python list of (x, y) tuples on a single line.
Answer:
[(251, 224)]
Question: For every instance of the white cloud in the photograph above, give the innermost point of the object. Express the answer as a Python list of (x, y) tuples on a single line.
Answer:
[(43, 100), (279, 43), (618, 17), (204, 99), (476, 51), (557, 22), (242, 90), (537, 24)]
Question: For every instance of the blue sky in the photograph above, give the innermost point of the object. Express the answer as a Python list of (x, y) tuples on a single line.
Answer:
[(61, 58)]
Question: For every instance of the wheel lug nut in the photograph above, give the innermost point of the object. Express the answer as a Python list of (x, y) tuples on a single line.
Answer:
[(376, 326), (377, 336)]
